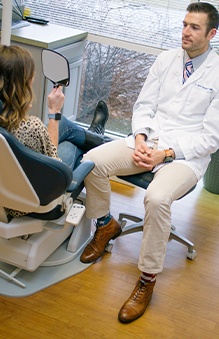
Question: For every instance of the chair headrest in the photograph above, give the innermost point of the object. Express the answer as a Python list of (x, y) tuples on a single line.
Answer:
[(49, 177)]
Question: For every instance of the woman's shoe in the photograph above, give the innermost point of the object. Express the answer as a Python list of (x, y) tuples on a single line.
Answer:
[(100, 118)]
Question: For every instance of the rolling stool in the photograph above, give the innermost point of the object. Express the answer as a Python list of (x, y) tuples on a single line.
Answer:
[(143, 180)]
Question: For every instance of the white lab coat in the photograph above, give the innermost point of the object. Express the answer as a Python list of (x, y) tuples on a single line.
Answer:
[(181, 116)]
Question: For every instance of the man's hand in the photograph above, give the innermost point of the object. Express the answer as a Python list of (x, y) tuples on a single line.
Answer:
[(144, 156)]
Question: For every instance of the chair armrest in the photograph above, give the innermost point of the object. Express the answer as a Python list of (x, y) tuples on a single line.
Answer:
[(79, 174)]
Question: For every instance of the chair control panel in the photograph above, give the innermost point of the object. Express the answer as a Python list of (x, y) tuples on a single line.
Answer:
[(75, 214)]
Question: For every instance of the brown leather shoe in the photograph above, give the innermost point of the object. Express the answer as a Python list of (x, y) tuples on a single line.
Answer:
[(102, 236), (137, 303)]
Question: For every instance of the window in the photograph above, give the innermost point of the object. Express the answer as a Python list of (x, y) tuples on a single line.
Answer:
[(115, 75), (123, 41)]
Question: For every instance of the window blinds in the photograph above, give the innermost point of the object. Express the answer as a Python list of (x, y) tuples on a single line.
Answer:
[(154, 23)]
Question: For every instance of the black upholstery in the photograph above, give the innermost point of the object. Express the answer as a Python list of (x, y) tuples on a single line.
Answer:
[(49, 177), (142, 179)]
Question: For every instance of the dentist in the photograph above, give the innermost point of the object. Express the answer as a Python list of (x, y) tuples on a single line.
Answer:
[(175, 129)]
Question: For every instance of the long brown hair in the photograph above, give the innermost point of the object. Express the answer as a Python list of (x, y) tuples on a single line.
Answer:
[(16, 94)]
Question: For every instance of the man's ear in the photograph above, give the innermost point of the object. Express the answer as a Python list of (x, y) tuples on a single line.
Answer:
[(212, 33)]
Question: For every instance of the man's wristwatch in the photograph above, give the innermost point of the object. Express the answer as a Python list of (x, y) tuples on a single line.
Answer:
[(168, 155), (55, 116)]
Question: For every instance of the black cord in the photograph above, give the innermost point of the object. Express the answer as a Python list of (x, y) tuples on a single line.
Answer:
[(15, 10), (18, 8)]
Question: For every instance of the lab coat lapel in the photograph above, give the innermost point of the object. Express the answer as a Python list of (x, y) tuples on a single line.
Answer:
[(198, 74), (179, 67)]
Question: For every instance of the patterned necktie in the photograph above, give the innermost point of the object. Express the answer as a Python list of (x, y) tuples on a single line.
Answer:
[(188, 69)]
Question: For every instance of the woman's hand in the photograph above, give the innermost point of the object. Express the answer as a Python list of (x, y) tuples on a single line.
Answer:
[(56, 100)]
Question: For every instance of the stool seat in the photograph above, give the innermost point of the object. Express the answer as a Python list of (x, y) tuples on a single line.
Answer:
[(141, 179)]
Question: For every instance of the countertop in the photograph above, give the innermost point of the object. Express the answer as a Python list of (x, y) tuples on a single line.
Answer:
[(47, 36)]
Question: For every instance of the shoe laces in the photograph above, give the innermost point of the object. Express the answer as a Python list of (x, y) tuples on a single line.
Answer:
[(141, 287), (97, 236)]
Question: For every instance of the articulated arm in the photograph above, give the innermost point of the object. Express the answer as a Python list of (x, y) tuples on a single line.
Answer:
[(78, 177)]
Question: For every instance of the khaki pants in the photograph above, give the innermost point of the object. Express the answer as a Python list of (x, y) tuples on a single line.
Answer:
[(170, 183)]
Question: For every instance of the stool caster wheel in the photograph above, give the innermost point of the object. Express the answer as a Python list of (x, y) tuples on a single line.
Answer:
[(108, 248), (191, 255)]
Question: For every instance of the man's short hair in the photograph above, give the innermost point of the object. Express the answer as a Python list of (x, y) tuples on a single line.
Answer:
[(210, 10)]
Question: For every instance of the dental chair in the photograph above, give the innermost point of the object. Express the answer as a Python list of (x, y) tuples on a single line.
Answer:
[(143, 180), (41, 247)]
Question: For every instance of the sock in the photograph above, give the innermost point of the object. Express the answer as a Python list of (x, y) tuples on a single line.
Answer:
[(147, 277), (104, 220)]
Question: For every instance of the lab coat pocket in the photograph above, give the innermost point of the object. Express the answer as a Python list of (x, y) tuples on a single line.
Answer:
[(198, 99)]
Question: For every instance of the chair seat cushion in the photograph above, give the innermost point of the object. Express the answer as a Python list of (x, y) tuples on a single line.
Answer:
[(141, 180)]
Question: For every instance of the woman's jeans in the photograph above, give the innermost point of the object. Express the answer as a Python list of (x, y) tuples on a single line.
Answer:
[(71, 138)]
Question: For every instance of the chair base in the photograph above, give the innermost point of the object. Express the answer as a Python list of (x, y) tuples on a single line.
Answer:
[(43, 277), (137, 226), (63, 263)]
